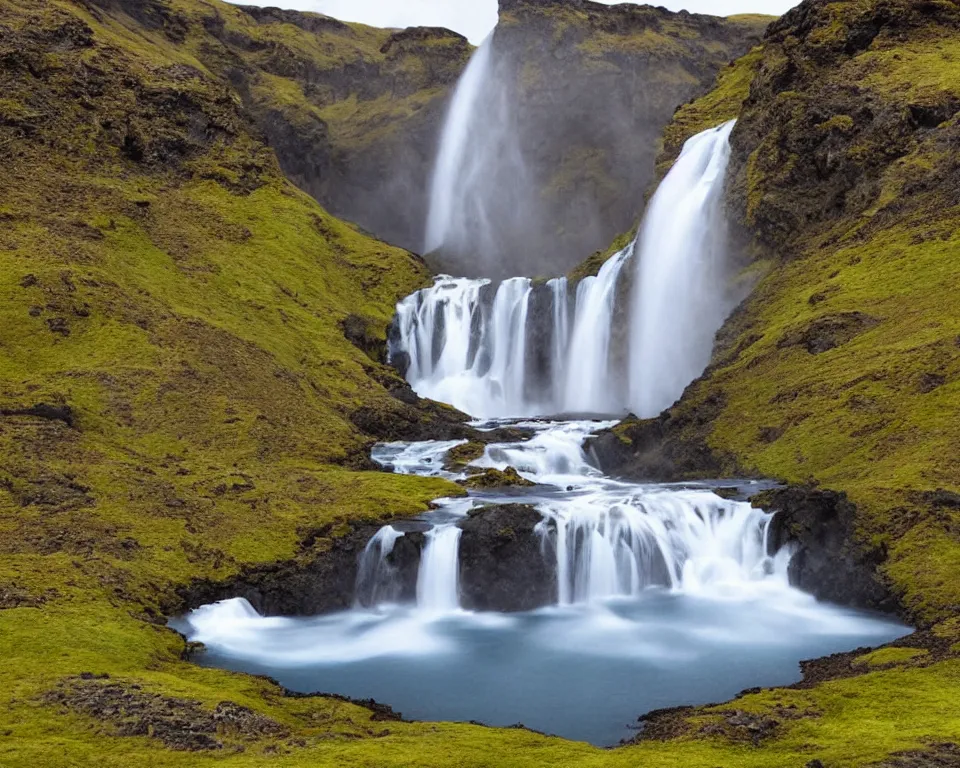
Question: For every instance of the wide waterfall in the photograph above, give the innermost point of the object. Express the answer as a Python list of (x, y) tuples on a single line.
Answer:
[(521, 349), (656, 596)]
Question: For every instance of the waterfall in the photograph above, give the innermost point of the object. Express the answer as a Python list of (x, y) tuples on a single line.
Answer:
[(438, 579), (588, 388), (466, 342), (376, 578), (561, 336), (679, 299), (482, 197), (689, 541)]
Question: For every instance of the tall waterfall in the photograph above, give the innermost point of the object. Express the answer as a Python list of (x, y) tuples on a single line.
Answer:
[(483, 349), (481, 194), (679, 299)]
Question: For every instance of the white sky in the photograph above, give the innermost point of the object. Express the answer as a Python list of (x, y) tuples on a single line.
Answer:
[(475, 18)]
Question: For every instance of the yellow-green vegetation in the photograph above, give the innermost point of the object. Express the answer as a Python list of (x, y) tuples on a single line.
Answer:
[(176, 391), (842, 370), (889, 656), (723, 103), (591, 267), (848, 348)]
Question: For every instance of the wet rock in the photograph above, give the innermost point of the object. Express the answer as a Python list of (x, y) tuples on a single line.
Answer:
[(830, 560), (494, 478), (502, 565), (458, 458), (315, 584), (395, 420)]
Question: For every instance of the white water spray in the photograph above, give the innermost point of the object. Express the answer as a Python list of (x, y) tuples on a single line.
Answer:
[(481, 195), (376, 578), (438, 580)]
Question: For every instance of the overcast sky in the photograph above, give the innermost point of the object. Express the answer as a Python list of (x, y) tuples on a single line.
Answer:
[(475, 18)]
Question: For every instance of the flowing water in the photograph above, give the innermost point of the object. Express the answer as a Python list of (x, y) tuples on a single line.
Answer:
[(654, 595), (666, 595), (479, 346)]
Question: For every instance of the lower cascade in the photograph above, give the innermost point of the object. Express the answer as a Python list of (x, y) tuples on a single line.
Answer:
[(616, 599)]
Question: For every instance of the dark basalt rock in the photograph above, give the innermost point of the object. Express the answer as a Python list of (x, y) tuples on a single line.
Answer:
[(502, 565), (43, 411), (830, 561), (494, 478), (323, 584), (828, 332), (180, 724), (502, 568)]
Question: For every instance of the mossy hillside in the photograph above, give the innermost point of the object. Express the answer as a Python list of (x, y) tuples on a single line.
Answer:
[(353, 112), (846, 354), (194, 301)]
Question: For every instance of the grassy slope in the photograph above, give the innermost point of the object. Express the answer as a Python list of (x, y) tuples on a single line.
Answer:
[(210, 386), (874, 416)]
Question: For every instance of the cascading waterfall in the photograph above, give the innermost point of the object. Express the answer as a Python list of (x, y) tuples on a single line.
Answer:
[(376, 578), (679, 299), (690, 541), (663, 596), (467, 343), (437, 582), (588, 388)]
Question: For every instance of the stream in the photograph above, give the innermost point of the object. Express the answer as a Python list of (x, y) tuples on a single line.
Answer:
[(664, 595)]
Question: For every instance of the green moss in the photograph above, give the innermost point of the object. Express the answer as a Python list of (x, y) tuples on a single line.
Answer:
[(718, 106), (890, 656), (841, 123)]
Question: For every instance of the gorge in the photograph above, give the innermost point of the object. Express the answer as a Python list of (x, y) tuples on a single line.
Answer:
[(623, 597), (212, 227)]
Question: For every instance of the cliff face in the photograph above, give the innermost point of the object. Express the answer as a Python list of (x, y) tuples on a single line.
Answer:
[(591, 87), (353, 112)]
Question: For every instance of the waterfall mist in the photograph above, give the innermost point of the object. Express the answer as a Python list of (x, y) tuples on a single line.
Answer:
[(483, 200)]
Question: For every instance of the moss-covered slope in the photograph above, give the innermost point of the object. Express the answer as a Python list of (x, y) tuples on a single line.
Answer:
[(842, 368), (178, 399)]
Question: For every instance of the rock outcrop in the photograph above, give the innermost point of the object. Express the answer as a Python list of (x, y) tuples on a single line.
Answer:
[(502, 565)]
